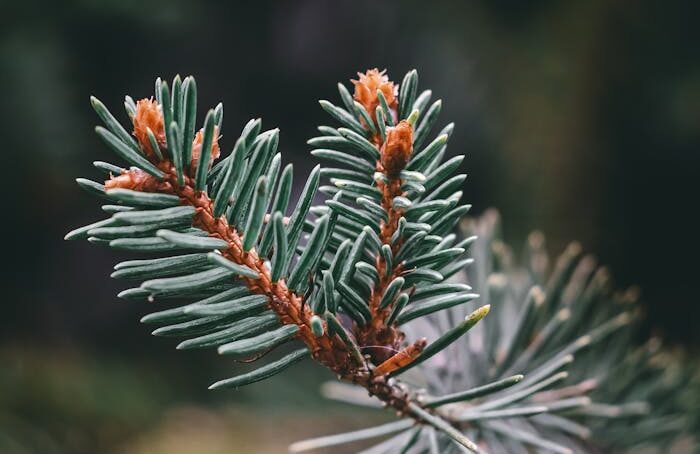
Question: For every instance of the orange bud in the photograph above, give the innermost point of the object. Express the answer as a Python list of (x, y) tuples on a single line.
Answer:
[(402, 358), (366, 91), (397, 148), (197, 147), (148, 115), (134, 179)]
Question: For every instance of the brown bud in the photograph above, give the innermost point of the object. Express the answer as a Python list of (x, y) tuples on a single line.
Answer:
[(402, 358), (134, 179), (148, 115), (197, 147), (397, 148), (366, 91)]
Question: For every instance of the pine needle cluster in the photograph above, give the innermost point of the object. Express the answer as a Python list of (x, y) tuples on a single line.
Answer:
[(589, 382)]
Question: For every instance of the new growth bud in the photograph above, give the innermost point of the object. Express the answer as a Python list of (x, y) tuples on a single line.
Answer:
[(397, 148), (149, 116), (366, 91)]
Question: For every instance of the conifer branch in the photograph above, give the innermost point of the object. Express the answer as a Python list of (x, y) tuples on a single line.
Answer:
[(375, 262), (252, 265)]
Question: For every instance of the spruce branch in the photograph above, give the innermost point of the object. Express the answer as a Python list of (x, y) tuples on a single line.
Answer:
[(172, 200), (253, 284), (368, 283), (392, 213)]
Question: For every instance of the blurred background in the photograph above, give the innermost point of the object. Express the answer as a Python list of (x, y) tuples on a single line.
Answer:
[(579, 118)]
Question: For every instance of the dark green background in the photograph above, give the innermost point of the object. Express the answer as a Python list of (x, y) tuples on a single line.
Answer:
[(580, 118)]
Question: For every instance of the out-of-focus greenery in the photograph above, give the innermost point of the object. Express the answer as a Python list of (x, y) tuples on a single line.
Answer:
[(579, 117), (64, 401)]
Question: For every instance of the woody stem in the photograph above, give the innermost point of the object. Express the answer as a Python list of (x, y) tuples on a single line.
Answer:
[(330, 351)]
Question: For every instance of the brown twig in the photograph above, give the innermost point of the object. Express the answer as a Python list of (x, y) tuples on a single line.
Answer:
[(394, 153), (376, 339), (330, 351)]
